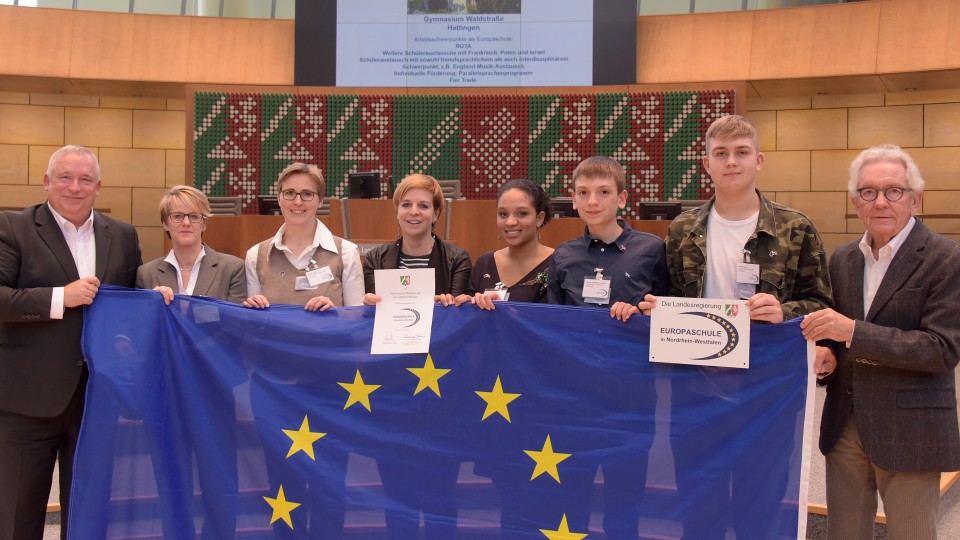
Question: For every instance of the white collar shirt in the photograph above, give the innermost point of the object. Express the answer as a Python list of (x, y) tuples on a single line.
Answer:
[(172, 259), (351, 280), (83, 248), (875, 268)]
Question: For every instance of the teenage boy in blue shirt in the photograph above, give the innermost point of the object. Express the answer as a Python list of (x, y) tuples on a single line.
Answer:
[(611, 266)]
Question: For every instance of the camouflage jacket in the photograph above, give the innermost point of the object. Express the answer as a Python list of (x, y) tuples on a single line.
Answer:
[(793, 263)]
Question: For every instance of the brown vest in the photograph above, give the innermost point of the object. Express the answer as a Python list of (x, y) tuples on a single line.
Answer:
[(278, 277)]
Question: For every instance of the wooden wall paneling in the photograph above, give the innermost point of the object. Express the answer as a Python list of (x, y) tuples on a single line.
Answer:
[(918, 36), (370, 218), (693, 48), (241, 51), (160, 50), (541, 90), (815, 42), (922, 80), (883, 37), (34, 85), (151, 89), (118, 46), (857, 84), (35, 42)]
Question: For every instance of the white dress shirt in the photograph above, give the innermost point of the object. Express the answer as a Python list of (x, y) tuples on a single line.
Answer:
[(188, 290), (875, 268), (83, 247)]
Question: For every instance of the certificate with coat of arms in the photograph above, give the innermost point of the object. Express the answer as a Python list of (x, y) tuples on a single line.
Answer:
[(405, 312), (700, 332)]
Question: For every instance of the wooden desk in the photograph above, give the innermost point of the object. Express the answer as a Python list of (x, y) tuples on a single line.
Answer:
[(656, 227), (377, 218), (473, 226)]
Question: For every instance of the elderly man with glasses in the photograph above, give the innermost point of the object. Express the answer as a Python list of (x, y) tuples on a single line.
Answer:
[(890, 417)]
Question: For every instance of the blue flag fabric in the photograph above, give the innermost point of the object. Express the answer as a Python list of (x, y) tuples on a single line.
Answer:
[(208, 419)]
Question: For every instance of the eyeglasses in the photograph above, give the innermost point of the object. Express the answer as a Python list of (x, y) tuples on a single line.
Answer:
[(177, 217), (892, 194), (291, 195)]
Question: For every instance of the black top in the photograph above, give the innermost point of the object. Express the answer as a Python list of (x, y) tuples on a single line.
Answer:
[(531, 287), (452, 264)]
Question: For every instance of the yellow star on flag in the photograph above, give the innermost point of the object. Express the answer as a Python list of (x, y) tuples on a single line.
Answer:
[(281, 508), (303, 439), (547, 460), (359, 392), (562, 532), (497, 401), (429, 376)]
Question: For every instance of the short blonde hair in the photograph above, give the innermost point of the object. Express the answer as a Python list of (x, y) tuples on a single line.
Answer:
[(730, 127), (601, 167), (190, 196), (303, 168), (420, 181)]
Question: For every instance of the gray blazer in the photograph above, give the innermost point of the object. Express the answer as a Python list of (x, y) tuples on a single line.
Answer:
[(221, 276), (897, 377)]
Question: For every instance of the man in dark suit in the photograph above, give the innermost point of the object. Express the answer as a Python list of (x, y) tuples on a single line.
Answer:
[(53, 258), (890, 417)]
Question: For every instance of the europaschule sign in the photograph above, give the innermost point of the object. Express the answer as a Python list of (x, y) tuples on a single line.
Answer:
[(700, 332)]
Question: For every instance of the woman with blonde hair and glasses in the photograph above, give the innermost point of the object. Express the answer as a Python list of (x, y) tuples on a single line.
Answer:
[(191, 267), (304, 263), (194, 269)]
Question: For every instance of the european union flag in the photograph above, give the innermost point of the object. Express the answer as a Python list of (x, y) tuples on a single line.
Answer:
[(208, 419)]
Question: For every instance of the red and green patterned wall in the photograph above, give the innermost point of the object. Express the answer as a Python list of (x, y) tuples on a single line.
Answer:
[(242, 141)]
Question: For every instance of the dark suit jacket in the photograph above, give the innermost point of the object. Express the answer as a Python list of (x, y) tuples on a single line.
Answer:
[(221, 276), (40, 359), (897, 377)]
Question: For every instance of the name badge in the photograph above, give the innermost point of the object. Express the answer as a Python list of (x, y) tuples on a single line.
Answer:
[(303, 284), (319, 276), (748, 277), (596, 291), (503, 294)]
